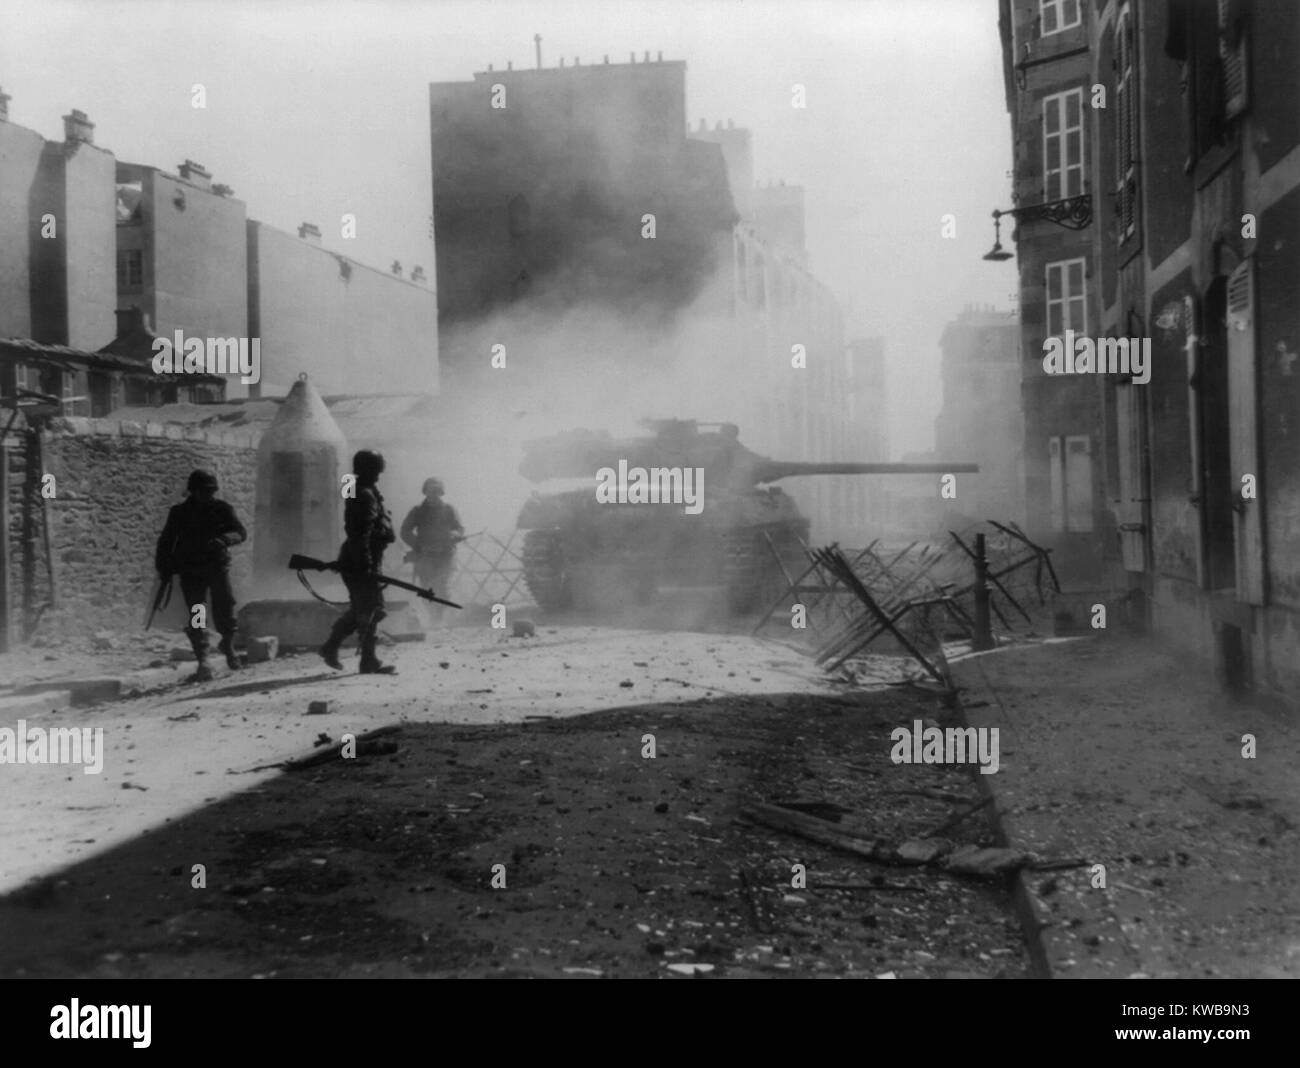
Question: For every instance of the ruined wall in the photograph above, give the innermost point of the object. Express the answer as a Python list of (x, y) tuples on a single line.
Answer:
[(114, 483)]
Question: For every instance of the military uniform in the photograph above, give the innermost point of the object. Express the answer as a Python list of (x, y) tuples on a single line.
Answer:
[(195, 545), (432, 530), (369, 530)]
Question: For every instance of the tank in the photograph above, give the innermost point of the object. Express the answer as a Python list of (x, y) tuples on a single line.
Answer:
[(580, 549)]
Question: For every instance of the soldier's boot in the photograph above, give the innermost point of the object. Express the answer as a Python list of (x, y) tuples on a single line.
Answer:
[(371, 664), (227, 647), (199, 643), (329, 652)]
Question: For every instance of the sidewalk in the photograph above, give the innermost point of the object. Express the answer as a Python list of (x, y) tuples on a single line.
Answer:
[(1118, 751)]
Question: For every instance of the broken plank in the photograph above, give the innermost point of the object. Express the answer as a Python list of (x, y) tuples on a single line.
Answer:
[(815, 830)]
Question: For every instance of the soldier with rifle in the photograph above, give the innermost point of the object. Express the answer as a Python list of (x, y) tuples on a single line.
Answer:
[(195, 544), (432, 530), (369, 530)]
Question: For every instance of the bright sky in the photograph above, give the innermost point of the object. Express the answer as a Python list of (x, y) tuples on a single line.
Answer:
[(319, 108)]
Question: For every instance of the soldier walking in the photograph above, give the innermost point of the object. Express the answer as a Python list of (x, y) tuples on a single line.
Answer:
[(195, 544), (432, 529), (369, 530)]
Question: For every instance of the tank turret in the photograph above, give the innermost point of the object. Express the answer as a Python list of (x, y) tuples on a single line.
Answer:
[(576, 541)]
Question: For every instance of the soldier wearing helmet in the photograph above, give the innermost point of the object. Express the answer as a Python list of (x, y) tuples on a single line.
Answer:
[(432, 530), (195, 544), (369, 530)]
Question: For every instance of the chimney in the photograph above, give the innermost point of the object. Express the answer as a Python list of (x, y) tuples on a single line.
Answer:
[(309, 232), (489, 68), (537, 43), (195, 174), (631, 57), (561, 62), (4, 104), (510, 64), (661, 56), (397, 268), (417, 273), (76, 127), (647, 55), (606, 57)]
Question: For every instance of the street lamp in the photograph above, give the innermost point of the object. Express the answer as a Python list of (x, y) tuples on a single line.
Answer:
[(1072, 213)]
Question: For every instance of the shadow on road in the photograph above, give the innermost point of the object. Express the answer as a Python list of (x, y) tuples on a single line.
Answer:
[(605, 859)]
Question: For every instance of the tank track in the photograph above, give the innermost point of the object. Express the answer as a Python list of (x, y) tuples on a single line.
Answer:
[(544, 569)]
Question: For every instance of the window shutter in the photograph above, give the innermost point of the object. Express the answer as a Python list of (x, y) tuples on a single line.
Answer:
[(1244, 431), (1232, 57)]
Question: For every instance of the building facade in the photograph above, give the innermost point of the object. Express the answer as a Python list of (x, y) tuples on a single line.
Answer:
[(56, 234), (342, 323), (1191, 145), (181, 254), (1047, 67)]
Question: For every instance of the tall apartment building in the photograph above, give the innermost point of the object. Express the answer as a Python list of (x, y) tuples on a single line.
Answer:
[(542, 184), (181, 251), (56, 229), (1194, 244), (981, 420)]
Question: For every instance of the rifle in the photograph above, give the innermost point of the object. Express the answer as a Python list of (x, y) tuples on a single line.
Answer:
[(310, 563), (160, 599)]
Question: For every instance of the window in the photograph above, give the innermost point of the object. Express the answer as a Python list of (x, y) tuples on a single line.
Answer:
[(1070, 465), (1063, 145), (1126, 136), (1066, 298), (130, 268), (1058, 15), (21, 379)]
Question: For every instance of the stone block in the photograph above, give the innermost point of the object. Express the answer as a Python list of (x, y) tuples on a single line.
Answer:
[(263, 649)]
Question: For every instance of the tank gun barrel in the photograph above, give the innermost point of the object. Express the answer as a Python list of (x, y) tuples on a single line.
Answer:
[(771, 470)]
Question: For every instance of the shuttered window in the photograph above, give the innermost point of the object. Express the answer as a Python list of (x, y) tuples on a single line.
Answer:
[(1232, 60), (1126, 128), (1243, 421)]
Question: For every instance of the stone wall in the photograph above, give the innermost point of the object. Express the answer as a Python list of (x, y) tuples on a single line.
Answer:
[(114, 482)]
